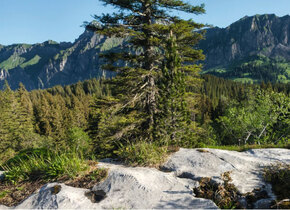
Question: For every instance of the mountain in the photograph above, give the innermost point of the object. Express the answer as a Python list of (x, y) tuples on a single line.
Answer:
[(250, 50), (255, 48), (48, 64)]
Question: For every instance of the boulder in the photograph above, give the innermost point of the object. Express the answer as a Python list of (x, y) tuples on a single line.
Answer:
[(246, 167), (125, 187), (148, 188), (57, 196)]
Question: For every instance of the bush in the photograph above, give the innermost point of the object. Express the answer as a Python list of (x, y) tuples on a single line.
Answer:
[(142, 154), (79, 141)]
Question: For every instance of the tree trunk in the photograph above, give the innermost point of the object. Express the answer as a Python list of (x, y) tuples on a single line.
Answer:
[(249, 134), (261, 134)]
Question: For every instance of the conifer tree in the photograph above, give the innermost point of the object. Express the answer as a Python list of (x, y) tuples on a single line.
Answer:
[(25, 117), (145, 25), (7, 124), (177, 102), (16, 120)]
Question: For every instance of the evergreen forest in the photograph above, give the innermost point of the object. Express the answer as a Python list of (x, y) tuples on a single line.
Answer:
[(224, 112)]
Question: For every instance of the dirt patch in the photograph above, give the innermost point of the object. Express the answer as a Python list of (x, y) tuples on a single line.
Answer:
[(202, 150), (56, 189), (96, 196), (89, 180), (12, 195)]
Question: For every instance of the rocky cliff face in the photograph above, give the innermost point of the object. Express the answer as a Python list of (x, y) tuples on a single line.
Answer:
[(266, 35), (50, 63)]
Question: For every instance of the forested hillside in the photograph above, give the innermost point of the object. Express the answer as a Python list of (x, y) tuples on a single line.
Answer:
[(59, 116)]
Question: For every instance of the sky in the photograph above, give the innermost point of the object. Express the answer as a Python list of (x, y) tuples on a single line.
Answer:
[(35, 21)]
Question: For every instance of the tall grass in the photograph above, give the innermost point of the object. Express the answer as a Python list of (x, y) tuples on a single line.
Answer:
[(48, 166)]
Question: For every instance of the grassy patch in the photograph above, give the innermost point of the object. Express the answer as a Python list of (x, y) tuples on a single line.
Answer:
[(31, 62), (45, 167), (3, 193), (12, 62), (24, 155), (89, 179), (247, 147), (143, 154)]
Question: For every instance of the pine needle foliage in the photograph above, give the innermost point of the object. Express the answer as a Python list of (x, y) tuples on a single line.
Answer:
[(146, 25)]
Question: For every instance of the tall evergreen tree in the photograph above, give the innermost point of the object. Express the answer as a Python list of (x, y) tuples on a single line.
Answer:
[(145, 25), (16, 120), (177, 102)]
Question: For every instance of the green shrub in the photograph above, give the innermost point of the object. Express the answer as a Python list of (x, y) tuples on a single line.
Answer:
[(79, 141), (142, 154)]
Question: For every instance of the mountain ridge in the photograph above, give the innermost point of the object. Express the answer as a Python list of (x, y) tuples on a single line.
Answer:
[(259, 34), (47, 64)]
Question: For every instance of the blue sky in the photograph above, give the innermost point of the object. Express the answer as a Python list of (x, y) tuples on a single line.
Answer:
[(34, 21)]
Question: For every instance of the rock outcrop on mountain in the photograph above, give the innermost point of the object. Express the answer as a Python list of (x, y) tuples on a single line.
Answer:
[(266, 35), (169, 188), (50, 63)]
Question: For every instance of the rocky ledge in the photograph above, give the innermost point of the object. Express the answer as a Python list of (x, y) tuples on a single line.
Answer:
[(170, 187)]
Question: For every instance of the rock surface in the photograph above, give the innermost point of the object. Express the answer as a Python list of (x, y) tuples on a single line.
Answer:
[(1, 175), (139, 187), (266, 35), (246, 167)]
